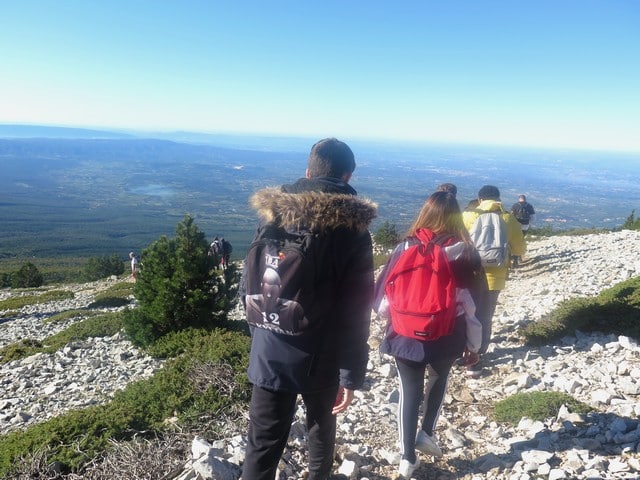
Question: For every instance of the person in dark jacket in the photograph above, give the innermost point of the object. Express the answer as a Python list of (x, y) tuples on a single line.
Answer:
[(439, 221), (524, 213), (326, 365)]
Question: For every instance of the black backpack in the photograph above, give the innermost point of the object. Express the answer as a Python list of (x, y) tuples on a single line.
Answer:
[(521, 212), (288, 280)]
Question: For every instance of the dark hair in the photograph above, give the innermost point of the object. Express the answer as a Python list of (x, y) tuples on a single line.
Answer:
[(448, 187), (330, 158), (440, 214), (489, 192)]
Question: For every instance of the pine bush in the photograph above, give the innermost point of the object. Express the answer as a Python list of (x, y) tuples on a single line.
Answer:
[(102, 267), (27, 277), (177, 288), (387, 235)]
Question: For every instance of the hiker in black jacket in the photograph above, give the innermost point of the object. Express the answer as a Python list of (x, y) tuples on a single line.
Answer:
[(328, 363), (524, 213)]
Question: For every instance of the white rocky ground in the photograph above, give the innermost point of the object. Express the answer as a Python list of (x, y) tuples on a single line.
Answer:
[(81, 374), (600, 370)]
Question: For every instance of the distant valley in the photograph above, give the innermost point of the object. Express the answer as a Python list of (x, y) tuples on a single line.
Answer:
[(101, 194)]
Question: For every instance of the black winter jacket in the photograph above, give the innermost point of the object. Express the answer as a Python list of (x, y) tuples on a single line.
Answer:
[(338, 350)]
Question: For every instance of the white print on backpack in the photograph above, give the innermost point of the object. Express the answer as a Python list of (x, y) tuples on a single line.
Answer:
[(280, 278)]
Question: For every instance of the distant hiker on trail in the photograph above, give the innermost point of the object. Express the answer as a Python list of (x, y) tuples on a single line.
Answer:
[(135, 265), (322, 354), (439, 224), (524, 213), (226, 253), (215, 251), (497, 235)]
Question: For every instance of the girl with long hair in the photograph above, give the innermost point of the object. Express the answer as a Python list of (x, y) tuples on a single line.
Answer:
[(439, 221)]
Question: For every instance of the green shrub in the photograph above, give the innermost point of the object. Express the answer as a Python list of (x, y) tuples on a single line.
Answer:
[(27, 277), (178, 288), (35, 299), (117, 295), (536, 406), (75, 437), (102, 267), (176, 343), (70, 314), (631, 223), (387, 235), (615, 310), (120, 289), (21, 349)]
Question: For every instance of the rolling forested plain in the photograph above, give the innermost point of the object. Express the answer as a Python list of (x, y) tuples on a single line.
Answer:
[(99, 194)]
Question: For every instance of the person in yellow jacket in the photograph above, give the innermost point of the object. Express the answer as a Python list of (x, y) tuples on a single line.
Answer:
[(489, 201)]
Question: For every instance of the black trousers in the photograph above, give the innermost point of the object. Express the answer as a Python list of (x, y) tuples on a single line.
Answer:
[(270, 417), (412, 392), (485, 308)]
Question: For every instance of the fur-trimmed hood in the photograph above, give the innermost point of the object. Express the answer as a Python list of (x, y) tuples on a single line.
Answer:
[(315, 210)]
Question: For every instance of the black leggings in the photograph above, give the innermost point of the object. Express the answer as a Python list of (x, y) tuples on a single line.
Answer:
[(411, 378)]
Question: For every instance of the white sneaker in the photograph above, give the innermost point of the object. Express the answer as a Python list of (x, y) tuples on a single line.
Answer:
[(427, 444), (407, 468)]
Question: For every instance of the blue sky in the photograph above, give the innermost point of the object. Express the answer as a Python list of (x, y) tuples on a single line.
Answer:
[(546, 73)]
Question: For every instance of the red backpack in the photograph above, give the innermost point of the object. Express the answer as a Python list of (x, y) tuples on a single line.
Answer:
[(421, 290)]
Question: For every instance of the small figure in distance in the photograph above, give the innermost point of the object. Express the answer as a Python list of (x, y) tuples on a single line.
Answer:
[(226, 252), (524, 213), (135, 265), (215, 251)]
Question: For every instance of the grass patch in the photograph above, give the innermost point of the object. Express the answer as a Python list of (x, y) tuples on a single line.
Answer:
[(117, 295), (74, 438), (536, 406), (104, 325), (117, 290), (70, 315), (35, 299), (615, 310)]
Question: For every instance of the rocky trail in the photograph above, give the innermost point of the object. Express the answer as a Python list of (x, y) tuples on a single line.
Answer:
[(598, 369)]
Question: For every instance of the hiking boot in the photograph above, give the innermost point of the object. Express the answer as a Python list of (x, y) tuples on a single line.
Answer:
[(407, 468), (427, 444)]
